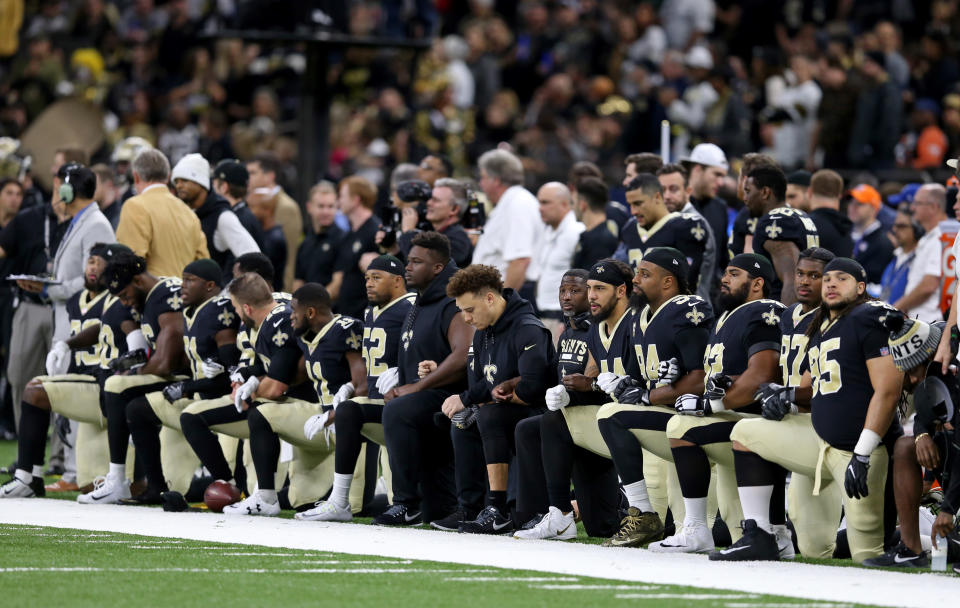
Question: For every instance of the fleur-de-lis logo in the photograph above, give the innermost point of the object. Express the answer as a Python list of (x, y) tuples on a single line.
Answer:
[(698, 232), (280, 338), (354, 341), (696, 317), (225, 317), (773, 231), (770, 317), (405, 338), (490, 372), (175, 301), (114, 284), (600, 270), (752, 225)]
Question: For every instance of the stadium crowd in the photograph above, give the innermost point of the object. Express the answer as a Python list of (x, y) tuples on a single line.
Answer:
[(498, 290)]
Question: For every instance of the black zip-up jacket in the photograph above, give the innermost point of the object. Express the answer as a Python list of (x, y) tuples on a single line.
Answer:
[(518, 344), (834, 229)]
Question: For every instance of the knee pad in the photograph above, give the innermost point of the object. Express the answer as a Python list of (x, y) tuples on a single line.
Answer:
[(139, 411)]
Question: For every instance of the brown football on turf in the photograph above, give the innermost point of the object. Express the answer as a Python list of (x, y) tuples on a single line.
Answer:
[(220, 494)]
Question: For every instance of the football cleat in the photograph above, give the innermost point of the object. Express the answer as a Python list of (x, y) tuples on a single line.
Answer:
[(756, 544), (253, 505), (15, 488), (452, 522), (533, 522), (899, 557), (784, 541), (150, 496), (62, 486), (325, 510), (397, 515), (689, 539), (106, 491), (488, 521), (636, 529), (552, 526)]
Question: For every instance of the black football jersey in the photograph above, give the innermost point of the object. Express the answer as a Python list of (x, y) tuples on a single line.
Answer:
[(738, 335), (112, 342), (784, 224), (837, 354), (572, 351), (84, 310), (201, 324), (381, 338), (679, 328), (793, 343), (684, 231), (163, 298), (247, 336), (277, 351), (326, 355), (613, 351), (743, 226)]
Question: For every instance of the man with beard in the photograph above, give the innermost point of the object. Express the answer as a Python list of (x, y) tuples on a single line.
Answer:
[(814, 518), (227, 239), (330, 344), (157, 301), (210, 340), (742, 352), (854, 387), (361, 417), (671, 331), (73, 387), (673, 180), (571, 442), (654, 226), (418, 450), (512, 356), (781, 232)]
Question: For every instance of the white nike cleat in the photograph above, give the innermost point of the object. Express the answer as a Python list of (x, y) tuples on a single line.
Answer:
[(326, 510), (15, 488), (254, 505), (553, 526), (784, 541), (690, 539), (106, 491)]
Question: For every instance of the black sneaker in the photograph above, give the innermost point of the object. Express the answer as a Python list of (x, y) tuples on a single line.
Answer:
[(488, 521), (756, 544), (530, 525), (37, 486), (899, 557), (150, 496), (452, 522), (397, 515)]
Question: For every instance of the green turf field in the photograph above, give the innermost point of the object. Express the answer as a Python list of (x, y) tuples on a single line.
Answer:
[(52, 566)]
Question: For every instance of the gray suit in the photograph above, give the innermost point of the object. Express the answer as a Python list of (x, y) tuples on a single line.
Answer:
[(91, 227)]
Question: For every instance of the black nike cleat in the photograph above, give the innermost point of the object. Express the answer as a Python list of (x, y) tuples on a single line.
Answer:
[(899, 557), (756, 544), (452, 522), (397, 515), (150, 496), (488, 521)]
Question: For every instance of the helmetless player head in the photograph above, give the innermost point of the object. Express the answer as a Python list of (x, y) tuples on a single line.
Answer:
[(252, 298), (661, 275), (310, 309), (127, 278), (808, 276), (645, 196), (609, 288), (201, 281), (428, 256), (573, 293), (384, 280), (100, 255), (844, 286), (764, 189), (747, 277), (478, 290)]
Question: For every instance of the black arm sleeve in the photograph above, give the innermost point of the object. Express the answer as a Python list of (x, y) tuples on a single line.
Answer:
[(283, 365), (534, 364), (692, 343), (228, 354)]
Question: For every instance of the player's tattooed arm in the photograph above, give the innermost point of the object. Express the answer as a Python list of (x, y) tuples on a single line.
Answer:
[(785, 255)]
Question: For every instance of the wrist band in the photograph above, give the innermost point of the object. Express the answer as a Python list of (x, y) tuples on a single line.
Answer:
[(867, 443)]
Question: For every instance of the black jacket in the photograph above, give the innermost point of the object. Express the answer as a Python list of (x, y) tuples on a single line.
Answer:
[(714, 211), (834, 230), (874, 252), (518, 344), (209, 213)]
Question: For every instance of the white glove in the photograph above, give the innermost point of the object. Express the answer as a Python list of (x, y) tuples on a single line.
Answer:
[(387, 380), (345, 392), (668, 372), (245, 391), (692, 405), (608, 381), (211, 369), (557, 398), (58, 359), (316, 424)]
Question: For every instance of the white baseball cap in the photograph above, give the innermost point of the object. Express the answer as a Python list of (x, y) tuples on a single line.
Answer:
[(193, 167), (707, 154), (699, 57)]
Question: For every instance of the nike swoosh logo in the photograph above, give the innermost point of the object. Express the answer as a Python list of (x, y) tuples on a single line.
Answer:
[(501, 526), (734, 549), (897, 560), (564, 530), (277, 324), (529, 347), (409, 518)]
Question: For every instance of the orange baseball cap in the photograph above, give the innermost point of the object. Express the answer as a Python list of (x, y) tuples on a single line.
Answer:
[(867, 195)]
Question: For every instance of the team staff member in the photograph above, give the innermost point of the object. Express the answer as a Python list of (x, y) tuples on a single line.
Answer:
[(155, 224), (854, 387), (230, 178), (512, 357), (357, 199), (444, 211), (418, 450), (318, 251), (263, 172), (671, 330)]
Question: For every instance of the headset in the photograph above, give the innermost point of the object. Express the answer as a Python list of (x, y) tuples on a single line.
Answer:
[(66, 190)]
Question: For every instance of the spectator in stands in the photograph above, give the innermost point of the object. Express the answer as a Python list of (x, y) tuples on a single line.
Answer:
[(513, 227), (434, 167), (599, 238), (555, 250), (906, 232), (318, 251), (876, 127), (921, 298), (925, 146), (155, 224), (871, 247), (826, 188), (707, 166), (264, 170), (798, 185)]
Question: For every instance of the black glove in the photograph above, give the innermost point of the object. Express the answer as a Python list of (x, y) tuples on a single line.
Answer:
[(465, 418), (173, 392), (129, 360), (62, 426), (717, 386), (855, 479), (775, 401), (632, 392)]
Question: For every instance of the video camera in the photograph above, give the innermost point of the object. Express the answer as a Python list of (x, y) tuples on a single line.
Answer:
[(413, 191), (476, 214)]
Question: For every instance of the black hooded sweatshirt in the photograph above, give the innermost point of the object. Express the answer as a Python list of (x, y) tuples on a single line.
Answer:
[(834, 230), (517, 344)]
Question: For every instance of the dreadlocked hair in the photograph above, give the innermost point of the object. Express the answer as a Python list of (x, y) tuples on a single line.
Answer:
[(823, 313)]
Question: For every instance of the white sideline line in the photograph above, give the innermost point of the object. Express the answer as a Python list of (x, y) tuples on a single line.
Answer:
[(828, 583)]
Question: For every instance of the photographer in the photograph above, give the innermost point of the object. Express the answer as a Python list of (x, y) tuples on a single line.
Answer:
[(444, 209)]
